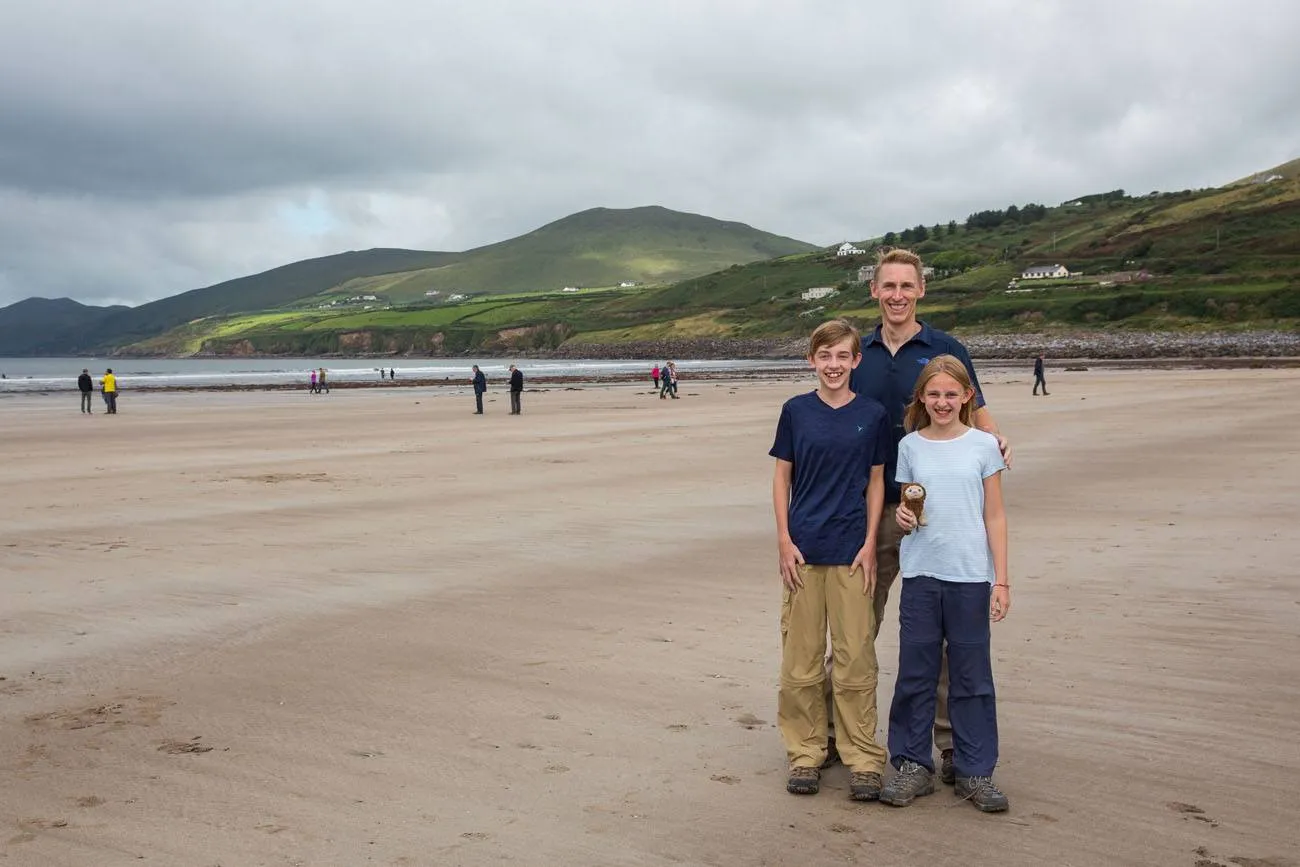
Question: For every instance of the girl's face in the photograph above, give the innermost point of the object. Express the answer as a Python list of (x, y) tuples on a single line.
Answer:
[(943, 398)]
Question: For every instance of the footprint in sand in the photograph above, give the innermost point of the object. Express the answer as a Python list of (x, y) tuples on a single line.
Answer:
[(749, 721)]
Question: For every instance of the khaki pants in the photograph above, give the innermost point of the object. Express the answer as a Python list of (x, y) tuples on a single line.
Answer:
[(830, 598), (888, 537)]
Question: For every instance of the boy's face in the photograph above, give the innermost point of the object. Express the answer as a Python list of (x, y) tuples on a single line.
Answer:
[(833, 363)]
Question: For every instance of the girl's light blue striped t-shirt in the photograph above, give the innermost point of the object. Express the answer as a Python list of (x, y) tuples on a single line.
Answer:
[(953, 545)]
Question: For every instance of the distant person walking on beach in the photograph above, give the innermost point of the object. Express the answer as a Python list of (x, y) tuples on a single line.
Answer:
[(109, 388), (321, 385), (480, 386), (516, 389), (665, 385), (654, 374), (392, 374), (86, 386), (313, 382), (1039, 379), (672, 379)]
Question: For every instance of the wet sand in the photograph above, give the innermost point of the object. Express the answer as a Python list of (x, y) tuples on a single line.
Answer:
[(372, 628)]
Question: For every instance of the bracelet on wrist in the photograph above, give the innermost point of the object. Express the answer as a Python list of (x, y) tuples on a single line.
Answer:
[(1008, 586)]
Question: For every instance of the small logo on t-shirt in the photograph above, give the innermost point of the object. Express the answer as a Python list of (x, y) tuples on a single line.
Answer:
[(923, 361), (861, 428)]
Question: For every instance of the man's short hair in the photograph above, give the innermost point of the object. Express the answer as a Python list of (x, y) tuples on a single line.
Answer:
[(832, 332), (898, 256)]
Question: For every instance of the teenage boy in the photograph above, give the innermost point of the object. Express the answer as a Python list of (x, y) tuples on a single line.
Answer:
[(828, 493)]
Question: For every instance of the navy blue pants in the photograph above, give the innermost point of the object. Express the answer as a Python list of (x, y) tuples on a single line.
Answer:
[(931, 612)]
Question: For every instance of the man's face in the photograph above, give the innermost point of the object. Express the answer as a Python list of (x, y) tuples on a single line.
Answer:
[(834, 363), (897, 288)]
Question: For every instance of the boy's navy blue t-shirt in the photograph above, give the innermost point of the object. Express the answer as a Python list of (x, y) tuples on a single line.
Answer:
[(833, 451)]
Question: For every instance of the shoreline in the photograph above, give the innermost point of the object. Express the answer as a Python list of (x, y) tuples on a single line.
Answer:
[(1073, 344), (795, 369)]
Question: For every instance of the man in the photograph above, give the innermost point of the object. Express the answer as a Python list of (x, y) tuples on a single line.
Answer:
[(1038, 375), (109, 388), (516, 389), (480, 386), (87, 387), (892, 358)]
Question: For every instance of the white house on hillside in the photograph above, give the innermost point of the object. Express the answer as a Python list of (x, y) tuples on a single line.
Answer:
[(1042, 272), (866, 273), (817, 292), (847, 249)]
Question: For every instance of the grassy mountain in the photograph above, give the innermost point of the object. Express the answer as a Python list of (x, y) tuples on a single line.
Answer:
[(1227, 257), (598, 247), (50, 328), (45, 326)]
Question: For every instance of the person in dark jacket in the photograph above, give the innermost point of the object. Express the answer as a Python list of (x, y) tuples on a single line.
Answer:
[(1038, 375), (480, 386), (87, 388), (516, 389)]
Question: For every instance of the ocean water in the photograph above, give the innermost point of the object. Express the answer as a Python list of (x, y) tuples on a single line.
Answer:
[(60, 374)]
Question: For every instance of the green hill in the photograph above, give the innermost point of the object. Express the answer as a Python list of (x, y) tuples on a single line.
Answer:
[(598, 247), (49, 331), (1218, 258)]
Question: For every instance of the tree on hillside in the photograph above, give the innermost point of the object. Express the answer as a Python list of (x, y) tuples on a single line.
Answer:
[(905, 237), (891, 239), (952, 228), (920, 233), (937, 231)]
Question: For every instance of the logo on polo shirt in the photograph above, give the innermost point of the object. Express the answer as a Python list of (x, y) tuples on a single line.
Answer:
[(861, 428), (923, 361)]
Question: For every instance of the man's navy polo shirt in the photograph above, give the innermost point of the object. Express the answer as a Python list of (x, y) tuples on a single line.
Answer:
[(833, 451), (890, 379)]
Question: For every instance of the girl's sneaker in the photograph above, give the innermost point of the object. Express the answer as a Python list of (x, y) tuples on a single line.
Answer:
[(981, 792), (911, 782)]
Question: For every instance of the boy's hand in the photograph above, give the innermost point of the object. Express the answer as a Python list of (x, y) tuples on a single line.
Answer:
[(906, 520), (791, 560), (866, 561), (1000, 603), (1004, 446)]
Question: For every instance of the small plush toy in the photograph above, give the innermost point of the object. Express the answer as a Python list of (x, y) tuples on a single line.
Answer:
[(914, 499)]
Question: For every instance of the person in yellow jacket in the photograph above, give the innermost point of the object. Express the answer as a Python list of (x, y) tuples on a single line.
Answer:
[(109, 387)]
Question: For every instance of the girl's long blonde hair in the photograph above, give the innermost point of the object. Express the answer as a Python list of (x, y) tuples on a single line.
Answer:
[(915, 416)]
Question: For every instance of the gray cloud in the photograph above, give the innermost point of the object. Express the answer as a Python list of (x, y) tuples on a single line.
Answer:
[(148, 147)]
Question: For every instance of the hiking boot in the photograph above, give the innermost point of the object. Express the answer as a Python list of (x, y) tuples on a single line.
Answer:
[(981, 792), (947, 773), (864, 786), (803, 781), (911, 782), (832, 755)]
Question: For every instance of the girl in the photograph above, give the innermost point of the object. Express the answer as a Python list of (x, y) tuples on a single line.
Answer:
[(954, 570)]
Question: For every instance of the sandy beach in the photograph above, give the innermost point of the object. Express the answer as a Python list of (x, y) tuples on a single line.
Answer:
[(268, 628)]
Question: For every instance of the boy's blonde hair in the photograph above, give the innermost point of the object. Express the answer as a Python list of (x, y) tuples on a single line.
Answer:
[(831, 333), (916, 417), (898, 256)]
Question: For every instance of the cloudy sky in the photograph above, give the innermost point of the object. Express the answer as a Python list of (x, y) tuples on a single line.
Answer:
[(153, 146)]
